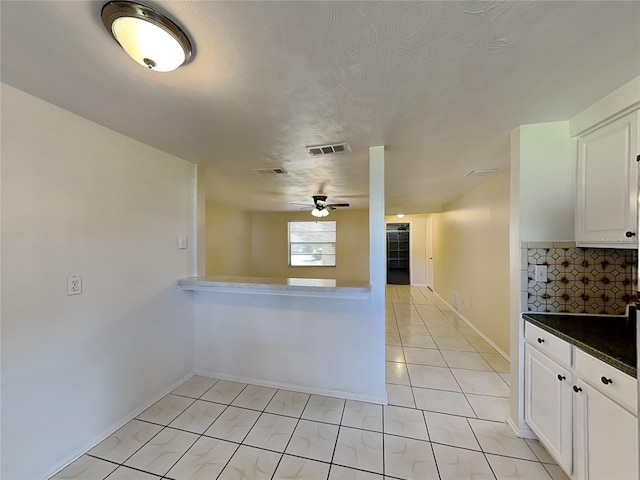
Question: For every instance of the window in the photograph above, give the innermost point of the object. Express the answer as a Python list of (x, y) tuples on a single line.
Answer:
[(312, 244)]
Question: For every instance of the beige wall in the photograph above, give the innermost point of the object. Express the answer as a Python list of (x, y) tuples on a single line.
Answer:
[(228, 240), (270, 246), (471, 256)]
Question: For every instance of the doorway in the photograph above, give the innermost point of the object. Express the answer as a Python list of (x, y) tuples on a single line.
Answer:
[(429, 251), (398, 254)]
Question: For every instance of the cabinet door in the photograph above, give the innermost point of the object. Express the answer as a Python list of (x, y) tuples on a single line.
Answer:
[(608, 185), (606, 437), (548, 408)]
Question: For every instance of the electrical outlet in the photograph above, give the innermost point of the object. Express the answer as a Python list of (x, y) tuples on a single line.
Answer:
[(541, 273), (455, 301), (74, 285)]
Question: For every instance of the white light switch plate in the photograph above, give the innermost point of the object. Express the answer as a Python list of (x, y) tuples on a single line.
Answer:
[(182, 243), (541, 273)]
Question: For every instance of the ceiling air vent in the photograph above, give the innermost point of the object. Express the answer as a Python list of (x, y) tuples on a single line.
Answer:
[(481, 172), (327, 149), (271, 171)]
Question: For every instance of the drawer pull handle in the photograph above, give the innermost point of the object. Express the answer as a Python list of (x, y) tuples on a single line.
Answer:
[(561, 377), (606, 380), (577, 389), (630, 234), (540, 340)]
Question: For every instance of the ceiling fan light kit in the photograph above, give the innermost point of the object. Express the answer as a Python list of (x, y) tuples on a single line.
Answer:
[(322, 207), (149, 37), (319, 212)]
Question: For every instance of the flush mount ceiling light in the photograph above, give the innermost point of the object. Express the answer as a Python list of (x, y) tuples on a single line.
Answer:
[(150, 38), (400, 215)]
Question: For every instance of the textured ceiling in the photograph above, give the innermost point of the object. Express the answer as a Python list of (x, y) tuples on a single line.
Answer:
[(441, 84)]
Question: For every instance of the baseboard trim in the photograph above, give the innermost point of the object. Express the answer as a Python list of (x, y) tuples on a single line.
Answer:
[(113, 428), (477, 330), (297, 388), (523, 431)]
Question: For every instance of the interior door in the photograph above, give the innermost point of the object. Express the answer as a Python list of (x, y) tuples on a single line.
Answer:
[(429, 248)]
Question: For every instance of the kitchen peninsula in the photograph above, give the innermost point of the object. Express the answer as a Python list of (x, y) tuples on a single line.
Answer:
[(303, 334)]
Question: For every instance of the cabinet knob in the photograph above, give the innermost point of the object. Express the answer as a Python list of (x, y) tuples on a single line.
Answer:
[(630, 234), (606, 380), (577, 389), (540, 340), (561, 377)]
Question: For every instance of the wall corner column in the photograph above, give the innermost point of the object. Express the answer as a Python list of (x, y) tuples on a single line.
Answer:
[(376, 227), (198, 243)]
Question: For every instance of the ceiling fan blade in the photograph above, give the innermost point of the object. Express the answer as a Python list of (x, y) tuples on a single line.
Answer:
[(338, 205), (310, 205)]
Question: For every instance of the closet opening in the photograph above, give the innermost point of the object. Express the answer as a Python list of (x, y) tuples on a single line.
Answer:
[(398, 254)]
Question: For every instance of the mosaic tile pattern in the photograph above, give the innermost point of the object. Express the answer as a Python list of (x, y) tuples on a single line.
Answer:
[(582, 280)]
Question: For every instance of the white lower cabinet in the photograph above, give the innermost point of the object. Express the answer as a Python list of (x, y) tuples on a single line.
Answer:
[(606, 437), (548, 404), (591, 432)]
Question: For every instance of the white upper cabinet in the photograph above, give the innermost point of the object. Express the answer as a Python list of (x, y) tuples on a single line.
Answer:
[(607, 187)]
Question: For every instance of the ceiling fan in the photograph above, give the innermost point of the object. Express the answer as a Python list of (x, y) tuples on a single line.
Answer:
[(321, 207)]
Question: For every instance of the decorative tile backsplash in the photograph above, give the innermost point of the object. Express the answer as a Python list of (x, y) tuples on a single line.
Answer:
[(580, 280)]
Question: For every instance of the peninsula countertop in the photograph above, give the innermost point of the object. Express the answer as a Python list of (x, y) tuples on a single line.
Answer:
[(611, 339), (313, 287)]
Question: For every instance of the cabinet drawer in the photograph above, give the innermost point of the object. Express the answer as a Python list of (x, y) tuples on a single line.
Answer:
[(548, 343), (615, 384)]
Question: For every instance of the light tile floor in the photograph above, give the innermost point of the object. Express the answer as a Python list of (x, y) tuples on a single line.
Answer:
[(448, 398)]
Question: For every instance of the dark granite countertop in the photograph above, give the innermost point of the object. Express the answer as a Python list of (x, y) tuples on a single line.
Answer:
[(611, 339)]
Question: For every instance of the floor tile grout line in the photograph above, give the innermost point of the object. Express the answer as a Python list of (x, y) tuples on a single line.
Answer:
[(292, 432), (203, 433), (164, 427), (118, 465), (256, 421), (187, 431), (241, 443), (344, 406), (173, 428), (384, 462), (484, 453), (229, 460), (180, 458)]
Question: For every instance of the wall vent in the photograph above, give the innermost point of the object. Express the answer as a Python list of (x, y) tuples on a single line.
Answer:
[(327, 149), (271, 171), (481, 172), (455, 301)]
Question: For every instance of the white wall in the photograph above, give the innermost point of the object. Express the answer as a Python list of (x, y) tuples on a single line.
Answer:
[(333, 346), (323, 346), (547, 162), (79, 199), (620, 101), (543, 192)]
